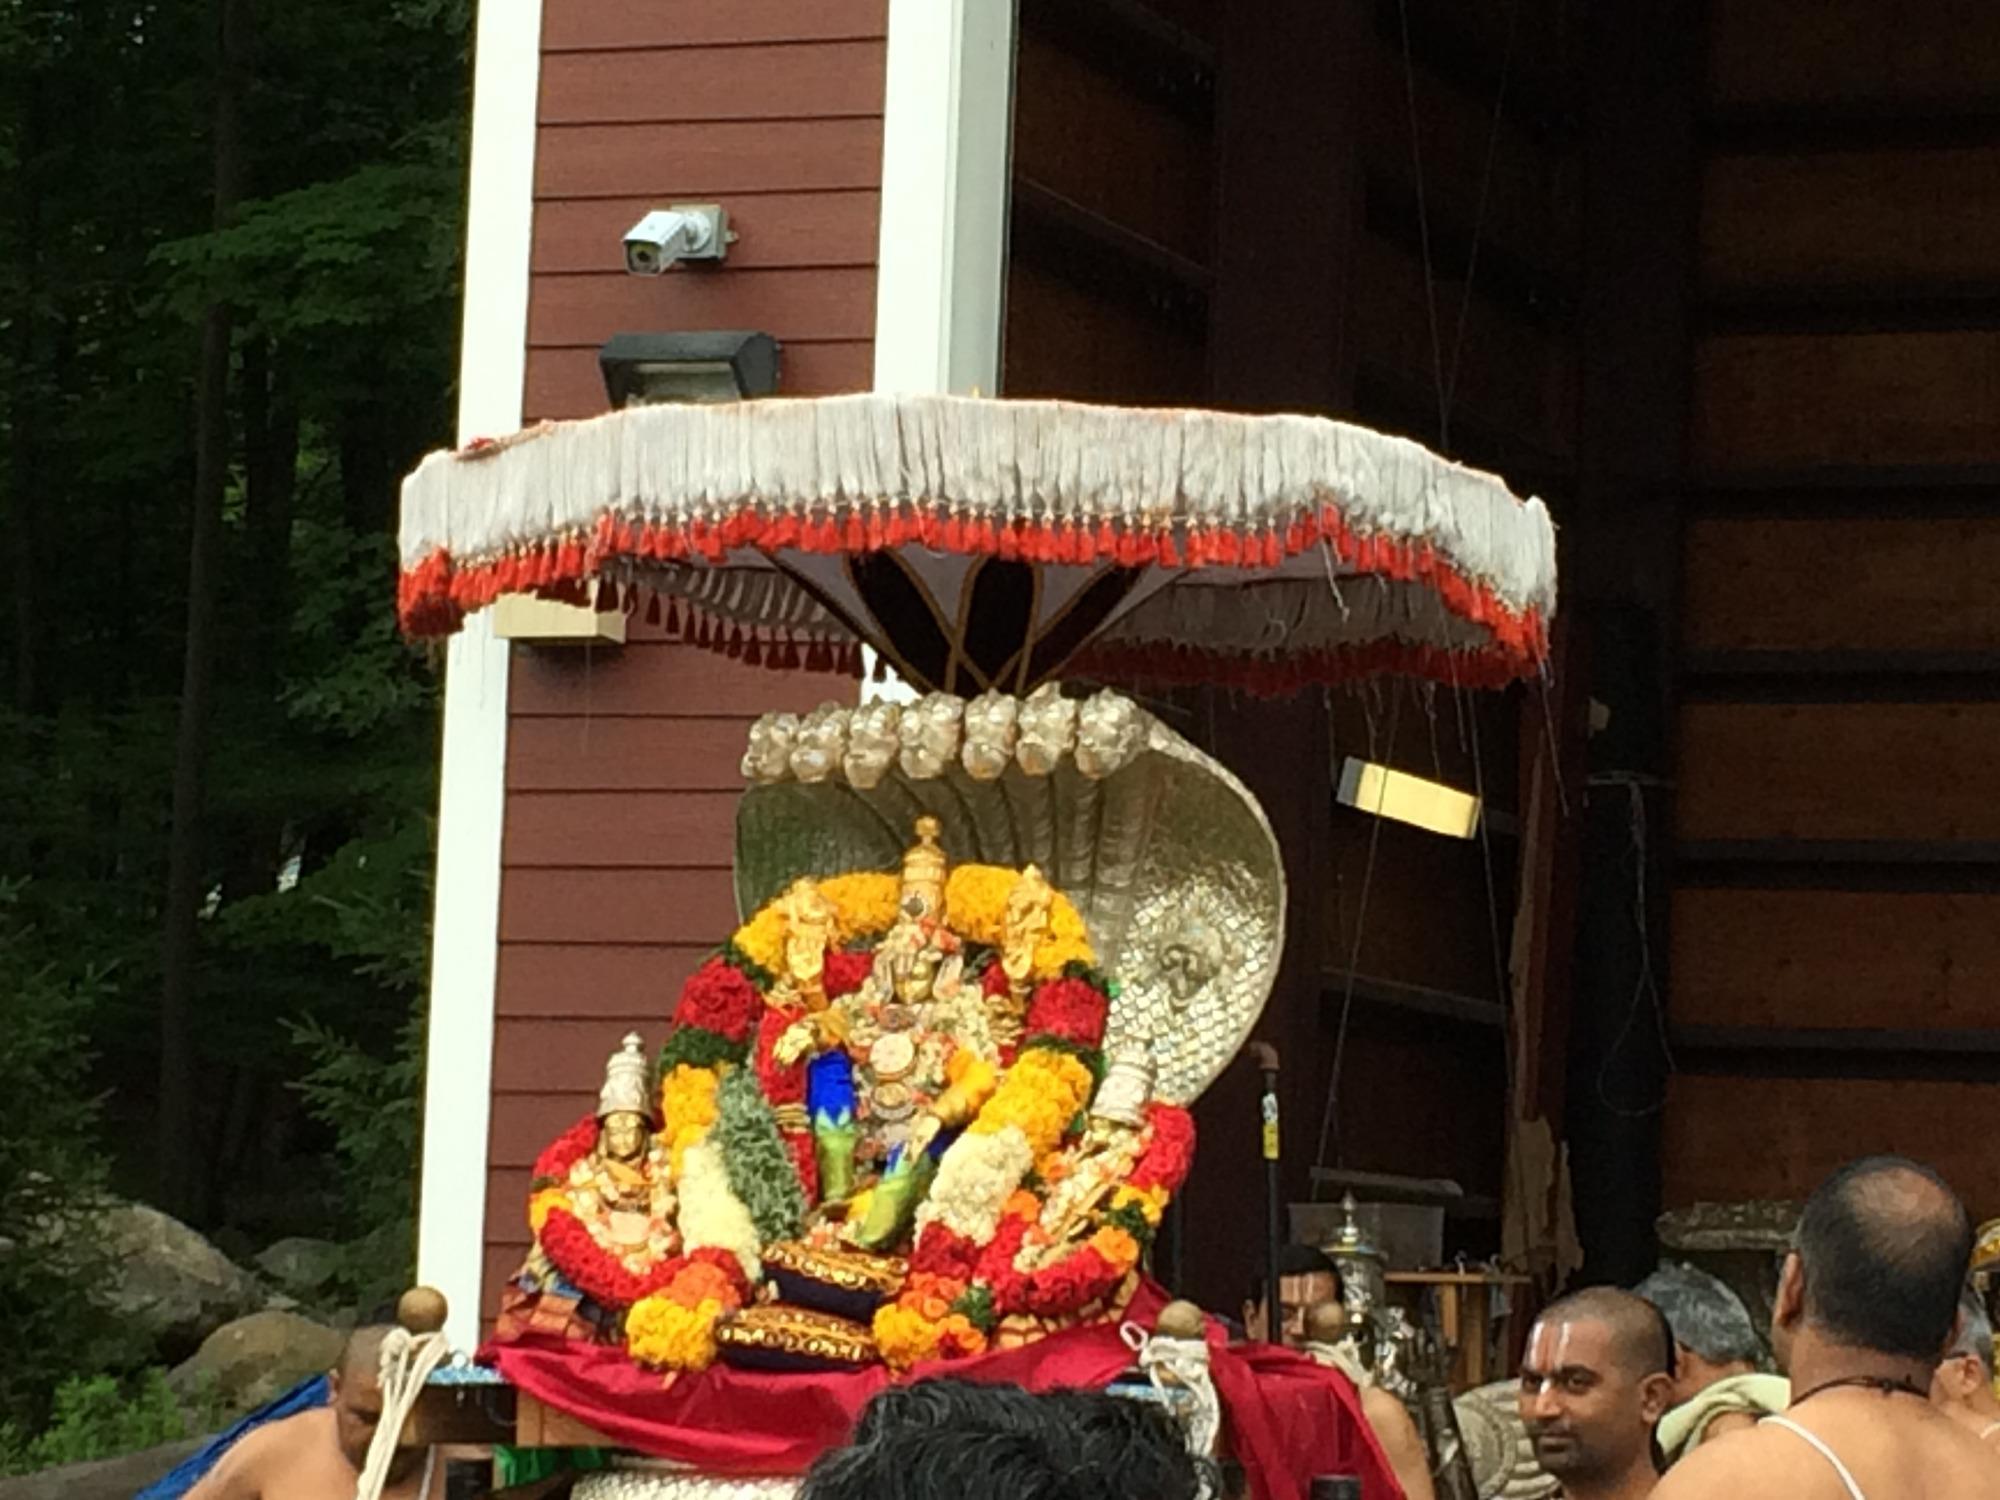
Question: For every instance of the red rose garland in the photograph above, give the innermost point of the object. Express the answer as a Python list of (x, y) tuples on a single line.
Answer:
[(592, 1270), (565, 1151), (1071, 1010), (721, 998), (845, 972)]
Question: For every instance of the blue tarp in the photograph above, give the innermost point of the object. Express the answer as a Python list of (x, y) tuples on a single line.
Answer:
[(304, 1397)]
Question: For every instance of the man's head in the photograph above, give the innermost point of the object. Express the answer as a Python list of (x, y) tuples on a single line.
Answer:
[(1878, 1263), (1305, 1276), (997, 1442), (357, 1399), (1965, 1375), (1713, 1335), (1596, 1378)]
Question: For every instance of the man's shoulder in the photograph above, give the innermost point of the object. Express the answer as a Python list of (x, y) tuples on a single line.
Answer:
[(1762, 1454), (287, 1435)]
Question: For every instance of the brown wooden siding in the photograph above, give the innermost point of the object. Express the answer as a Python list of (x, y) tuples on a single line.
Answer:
[(1920, 583), (1836, 744), (1791, 960), (623, 763), (1736, 1138)]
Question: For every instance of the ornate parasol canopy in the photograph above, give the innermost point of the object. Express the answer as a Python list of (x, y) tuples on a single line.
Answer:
[(986, 545)]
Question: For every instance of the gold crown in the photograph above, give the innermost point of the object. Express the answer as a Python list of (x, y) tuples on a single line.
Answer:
[(924, 863)]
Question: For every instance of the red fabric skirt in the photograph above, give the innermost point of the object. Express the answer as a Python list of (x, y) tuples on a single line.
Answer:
[(1286, 1417)]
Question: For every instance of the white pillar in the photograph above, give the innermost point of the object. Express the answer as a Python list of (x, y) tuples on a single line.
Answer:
[(947, 135), (465, 942)]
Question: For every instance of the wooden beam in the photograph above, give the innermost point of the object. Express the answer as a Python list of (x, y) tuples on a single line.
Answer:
[(1900, 308), (1771, 1052), (1134, 43), (1413, 999), (1812, 129), (1783, 676)]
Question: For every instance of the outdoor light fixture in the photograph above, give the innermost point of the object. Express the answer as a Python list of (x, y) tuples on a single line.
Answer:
[(643, 368), (1388, 793)]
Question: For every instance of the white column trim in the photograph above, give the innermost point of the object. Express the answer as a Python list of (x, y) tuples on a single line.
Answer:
[(465, 941), (947, 139)]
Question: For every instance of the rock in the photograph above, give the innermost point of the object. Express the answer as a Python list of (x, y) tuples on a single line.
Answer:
[(171, 1284), (248, 1362), (108, 1479), (300, 1267)]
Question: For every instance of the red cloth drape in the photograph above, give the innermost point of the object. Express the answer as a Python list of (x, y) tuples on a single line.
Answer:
[(1288, 1418)]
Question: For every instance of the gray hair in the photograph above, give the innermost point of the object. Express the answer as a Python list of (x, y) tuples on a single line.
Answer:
[(1705, 1315), (1975, 1335)]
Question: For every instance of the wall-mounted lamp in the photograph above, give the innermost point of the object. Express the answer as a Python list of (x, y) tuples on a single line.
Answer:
[(1389, 793), (687, 231), (642, 368)]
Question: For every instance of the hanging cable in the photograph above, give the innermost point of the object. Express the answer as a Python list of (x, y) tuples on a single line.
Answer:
[(1329, 1114), (1646, 989)]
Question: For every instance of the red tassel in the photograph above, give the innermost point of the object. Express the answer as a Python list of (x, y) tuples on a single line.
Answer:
[(897, 531), (856, 537), (1107, 538), (954, 533), (1086, 546), (733, 647), (608, 600), (876, 535), (753, 653), (1010, 543), (1170, 556), (985, 541)]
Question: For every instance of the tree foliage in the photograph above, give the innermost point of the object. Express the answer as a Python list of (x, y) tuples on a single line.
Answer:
[(340, 269)]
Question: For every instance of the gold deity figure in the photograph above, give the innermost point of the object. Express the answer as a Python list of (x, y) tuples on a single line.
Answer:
[(1094, 1167), (809, 921), (1024, 925), (622, 1191)]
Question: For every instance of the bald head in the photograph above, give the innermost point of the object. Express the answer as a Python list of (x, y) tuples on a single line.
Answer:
[(1882, 1248), (361, 1355), (1639, 1338)]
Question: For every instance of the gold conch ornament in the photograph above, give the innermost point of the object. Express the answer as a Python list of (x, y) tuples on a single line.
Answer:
[(1167, 857)]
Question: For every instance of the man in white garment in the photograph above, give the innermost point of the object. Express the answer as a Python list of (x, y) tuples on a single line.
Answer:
[(1867, 1306)]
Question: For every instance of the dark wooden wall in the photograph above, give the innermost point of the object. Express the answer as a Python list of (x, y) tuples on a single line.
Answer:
[(1219, 205), (622, 764), (1833, 953)]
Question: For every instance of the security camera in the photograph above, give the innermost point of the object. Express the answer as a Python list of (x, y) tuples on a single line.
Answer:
[(687, 231)]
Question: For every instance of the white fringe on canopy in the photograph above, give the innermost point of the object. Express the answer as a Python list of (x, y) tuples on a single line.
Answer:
[(1037, 461)]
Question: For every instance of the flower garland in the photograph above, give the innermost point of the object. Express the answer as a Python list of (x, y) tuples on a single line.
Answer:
[(758, 1163), (968, 1207), (565, 1239), (687, 1105), (961, 1287), (673, 1326), (592, 1270), (975, 907)]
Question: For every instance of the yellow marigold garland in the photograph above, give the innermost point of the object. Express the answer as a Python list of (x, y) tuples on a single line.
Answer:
[(687, 1105), (864, 903), (1040, 1096), (661, 1332)]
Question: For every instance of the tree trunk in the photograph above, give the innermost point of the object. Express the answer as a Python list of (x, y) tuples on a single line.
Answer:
[(179, 1189), (25, 487)]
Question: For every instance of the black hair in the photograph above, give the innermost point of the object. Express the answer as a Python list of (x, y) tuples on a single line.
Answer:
[(1298, 1260), (1642, 1339), (1883, 1245), (997, 1442)]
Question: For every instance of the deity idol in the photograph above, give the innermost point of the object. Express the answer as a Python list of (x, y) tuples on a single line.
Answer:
[(910, 1058), (603, 1212)]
